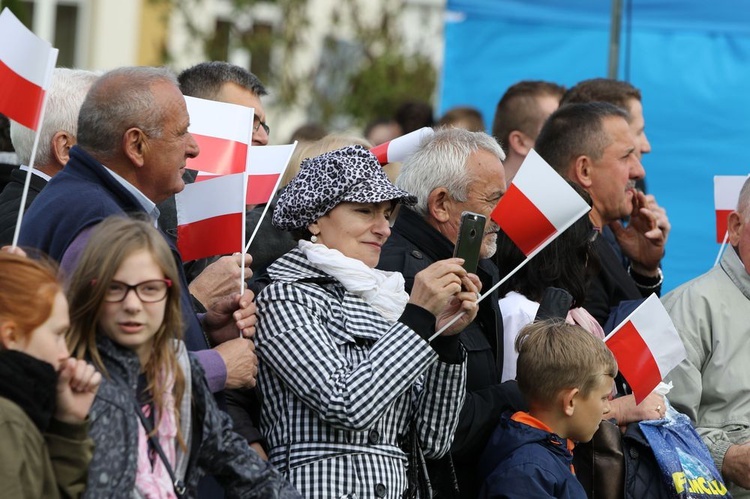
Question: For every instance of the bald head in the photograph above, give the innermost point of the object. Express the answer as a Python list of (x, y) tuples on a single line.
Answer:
[(121, 99)]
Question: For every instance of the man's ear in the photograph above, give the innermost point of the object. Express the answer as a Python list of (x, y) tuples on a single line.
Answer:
[(135, 145), (520, 142), (581, 171), (734, 227), (569, 398), (439, 204), (62, 141), (9, 337)]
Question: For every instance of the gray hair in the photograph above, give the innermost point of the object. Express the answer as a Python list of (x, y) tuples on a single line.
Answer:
[(441, 161), (66, 93), (121, 99), (205, 80)]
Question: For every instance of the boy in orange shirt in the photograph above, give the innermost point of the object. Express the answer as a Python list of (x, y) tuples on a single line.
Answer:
[(567, 377)]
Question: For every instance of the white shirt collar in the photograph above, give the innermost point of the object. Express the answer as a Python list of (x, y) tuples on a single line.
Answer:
[(148, 205), (36, 172)]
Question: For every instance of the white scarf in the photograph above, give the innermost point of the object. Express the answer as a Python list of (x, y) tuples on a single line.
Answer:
[(383, 291)]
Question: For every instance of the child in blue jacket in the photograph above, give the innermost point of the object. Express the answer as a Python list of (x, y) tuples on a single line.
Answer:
[(567, 377)]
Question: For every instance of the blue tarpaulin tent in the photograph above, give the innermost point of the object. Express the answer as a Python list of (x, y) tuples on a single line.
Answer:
[(690, 59)]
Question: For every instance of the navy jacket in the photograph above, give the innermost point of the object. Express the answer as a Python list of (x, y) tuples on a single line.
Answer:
[(80, 196), (521, 461)]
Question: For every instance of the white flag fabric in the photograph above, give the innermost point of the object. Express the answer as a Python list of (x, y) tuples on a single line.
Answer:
[(647, 346), (538, 205), (209, 217), (223, 132), (265, 167), (726, 194), (402, 147), (26, 64)]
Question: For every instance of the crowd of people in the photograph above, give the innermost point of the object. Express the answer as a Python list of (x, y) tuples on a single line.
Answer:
[(358, 361)]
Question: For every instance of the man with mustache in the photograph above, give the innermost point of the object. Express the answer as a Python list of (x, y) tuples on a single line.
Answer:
[(624, 95), (593, 145), (454, 171)]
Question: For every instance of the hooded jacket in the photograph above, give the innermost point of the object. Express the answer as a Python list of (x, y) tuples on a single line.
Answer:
[(521, 461)]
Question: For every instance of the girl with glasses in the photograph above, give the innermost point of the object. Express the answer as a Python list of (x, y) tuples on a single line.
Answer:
[(156, 426)]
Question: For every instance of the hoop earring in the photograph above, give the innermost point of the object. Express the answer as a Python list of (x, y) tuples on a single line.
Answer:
[(314, 238)]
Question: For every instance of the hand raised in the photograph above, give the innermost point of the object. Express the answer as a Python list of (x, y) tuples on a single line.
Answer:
[(230, 316), (220, 279), (464, 303), (77, 384), (437, 284), (643, 239)]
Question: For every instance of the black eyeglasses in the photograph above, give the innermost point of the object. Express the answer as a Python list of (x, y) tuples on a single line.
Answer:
[(147, 291), (257, 124)]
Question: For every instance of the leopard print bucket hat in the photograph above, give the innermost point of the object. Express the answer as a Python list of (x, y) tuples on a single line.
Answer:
[(350, 174)]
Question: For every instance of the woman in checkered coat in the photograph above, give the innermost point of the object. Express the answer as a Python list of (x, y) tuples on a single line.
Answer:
[(346, 371)]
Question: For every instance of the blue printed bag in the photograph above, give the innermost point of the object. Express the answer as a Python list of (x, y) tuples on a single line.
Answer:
[(686, 464)]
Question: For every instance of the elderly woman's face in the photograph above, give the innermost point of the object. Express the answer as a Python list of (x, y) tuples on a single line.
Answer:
[(357, 230)]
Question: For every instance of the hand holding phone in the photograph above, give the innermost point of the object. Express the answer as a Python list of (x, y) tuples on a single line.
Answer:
[(469, 241)]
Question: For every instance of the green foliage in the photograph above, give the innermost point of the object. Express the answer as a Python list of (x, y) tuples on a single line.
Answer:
[(372, 84), (382, 84)]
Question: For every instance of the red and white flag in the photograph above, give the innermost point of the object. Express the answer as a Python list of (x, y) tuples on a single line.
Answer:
[(26, 64), (538, 205), (223, 132), (210, 217), (402, 147), (647, 346), (726, 194), (265, 167)]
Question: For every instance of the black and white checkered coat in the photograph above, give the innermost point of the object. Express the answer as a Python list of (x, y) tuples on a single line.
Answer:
[(340, 387)]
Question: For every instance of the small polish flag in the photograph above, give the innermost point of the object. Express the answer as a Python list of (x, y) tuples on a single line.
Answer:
[(210, 217), (402, 147), (726, 194), (265, 167), (647, 346), (538, 205), (223, 132), (26, 64)]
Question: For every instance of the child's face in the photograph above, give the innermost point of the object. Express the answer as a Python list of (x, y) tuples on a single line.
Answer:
[(590, 409), (47, 342), (132, 323)]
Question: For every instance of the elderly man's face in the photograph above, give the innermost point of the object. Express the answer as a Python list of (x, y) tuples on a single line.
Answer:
[(165, 156), (739, 237), (613, 176), (486, 187), (231, 93)]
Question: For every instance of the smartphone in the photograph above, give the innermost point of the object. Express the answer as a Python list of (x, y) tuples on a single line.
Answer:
[(469, 242)]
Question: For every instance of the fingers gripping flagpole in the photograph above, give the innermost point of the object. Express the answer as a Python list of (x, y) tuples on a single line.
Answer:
[(510, 274), (27, 181)]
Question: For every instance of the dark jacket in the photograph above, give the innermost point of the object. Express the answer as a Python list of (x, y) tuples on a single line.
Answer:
[(10, 201), (213, 447), (521, 461), (39, 455), (270, 243), (413, 246), (81, 196), (612, 284)]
